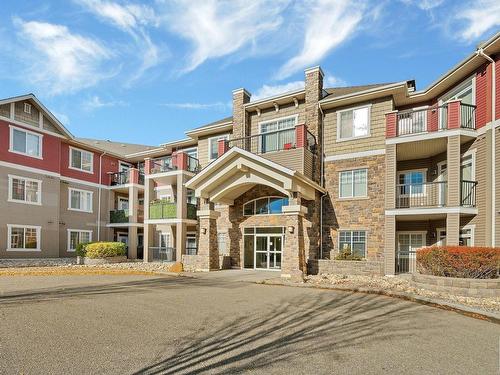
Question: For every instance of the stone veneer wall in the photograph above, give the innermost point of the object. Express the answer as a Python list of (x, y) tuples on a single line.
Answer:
[(346, 267), (356, 213), (231, 222), (458, 286)]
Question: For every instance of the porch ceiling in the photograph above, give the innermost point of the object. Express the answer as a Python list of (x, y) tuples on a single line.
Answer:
[(238, 171)]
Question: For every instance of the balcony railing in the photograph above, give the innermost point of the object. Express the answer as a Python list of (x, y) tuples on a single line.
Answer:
[(168, 210), (435, 118), (122, 216), (123, 178), (433, 194), (279, 140), (406, 261), (162, 254), (171, 163), (427, 194)]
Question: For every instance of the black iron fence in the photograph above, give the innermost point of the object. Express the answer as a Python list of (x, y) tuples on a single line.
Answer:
[(162, 254)]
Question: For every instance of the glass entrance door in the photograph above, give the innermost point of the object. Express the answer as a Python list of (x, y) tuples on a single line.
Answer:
[(268, 250)]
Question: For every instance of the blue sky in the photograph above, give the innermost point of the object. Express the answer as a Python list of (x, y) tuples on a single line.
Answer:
[(144, 72)]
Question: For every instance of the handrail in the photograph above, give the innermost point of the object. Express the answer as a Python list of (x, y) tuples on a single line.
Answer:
[(276, 140)]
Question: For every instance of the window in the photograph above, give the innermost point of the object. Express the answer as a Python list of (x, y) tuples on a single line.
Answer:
[(23, 237), (466, 237), (213, 146), (353, 240), (412, 183), (27, 108), (193, 152), (353, 183), (353, 123), (221, 244), (76, 237), (278, 134), (80, 200), (25, 142), (191, 199), (265, 206), (191, 248), (81, 160), (25, 190)]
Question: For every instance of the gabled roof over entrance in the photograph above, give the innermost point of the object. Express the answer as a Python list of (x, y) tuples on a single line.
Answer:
[(237, 171)]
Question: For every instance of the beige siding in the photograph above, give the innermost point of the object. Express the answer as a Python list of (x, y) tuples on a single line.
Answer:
[(46, 215), (29, 118), (375, 141), (203, 148), (292, 159), (48, 125), (5, 110)]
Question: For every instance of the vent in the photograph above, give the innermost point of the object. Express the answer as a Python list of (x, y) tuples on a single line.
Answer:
[(27, 108)]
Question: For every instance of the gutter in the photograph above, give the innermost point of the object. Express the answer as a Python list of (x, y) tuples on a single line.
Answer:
[(480, 52)]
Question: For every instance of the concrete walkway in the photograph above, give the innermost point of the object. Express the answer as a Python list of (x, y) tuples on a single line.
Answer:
[(219, 323)]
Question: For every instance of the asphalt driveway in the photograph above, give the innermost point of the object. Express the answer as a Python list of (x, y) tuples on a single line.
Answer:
[(227, 325)]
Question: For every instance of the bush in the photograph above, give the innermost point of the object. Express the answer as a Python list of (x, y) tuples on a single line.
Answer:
[(81, 249), (346, 254), (459, 261), (105, 249)]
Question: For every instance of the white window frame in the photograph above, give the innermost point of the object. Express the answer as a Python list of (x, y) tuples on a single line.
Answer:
[(26, 179), (79, 231), (38, 236), (472, 154), (216, 138), (472, 228), (352, 186), (369, 107), (446, 97), (254, 201), (262, 123), (71, 149), (424, 182), (353, 230), (11, 142), (120, 200), (27, 108), (70, 190)]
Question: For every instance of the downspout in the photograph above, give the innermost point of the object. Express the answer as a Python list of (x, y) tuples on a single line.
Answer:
[(322, 181), (99, 198), (480, 52)]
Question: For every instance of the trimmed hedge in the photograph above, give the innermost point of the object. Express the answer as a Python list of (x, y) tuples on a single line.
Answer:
[(459, 261), (346, 254), (97, 250)]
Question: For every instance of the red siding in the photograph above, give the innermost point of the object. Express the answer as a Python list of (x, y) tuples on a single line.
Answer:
[(483, 95), (432, 117), (51, 150), (109, 165)]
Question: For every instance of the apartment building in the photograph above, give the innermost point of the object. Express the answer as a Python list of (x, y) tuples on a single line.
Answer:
[(381, 169)]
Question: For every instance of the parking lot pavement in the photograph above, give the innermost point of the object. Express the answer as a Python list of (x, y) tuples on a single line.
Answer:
[(225, 324)]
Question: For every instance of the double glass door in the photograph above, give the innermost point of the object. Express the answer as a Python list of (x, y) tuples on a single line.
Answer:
[(268, 251)]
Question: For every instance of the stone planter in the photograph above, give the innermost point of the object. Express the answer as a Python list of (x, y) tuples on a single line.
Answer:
[(458, 286), (346, 267), (117, 259)]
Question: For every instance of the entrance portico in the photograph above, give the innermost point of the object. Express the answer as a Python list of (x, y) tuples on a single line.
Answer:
[(263, 209)]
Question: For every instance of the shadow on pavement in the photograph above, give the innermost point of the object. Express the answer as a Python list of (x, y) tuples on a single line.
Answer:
[(295, 329)]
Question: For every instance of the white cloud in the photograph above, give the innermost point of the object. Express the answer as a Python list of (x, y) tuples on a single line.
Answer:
[(132, 19), (479, 16), (329, 23), (221, 28), (59, 60), (64, 119), (424, 4), (332, 81), (198, 106), (267, 91), (95, 102)]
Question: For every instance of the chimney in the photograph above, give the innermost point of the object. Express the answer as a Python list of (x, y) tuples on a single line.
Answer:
[(240, 121)]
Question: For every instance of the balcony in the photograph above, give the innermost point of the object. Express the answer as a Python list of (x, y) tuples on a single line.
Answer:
[(452, 115), (122, 216), (179, 161), (168, 210), (433, 194), (126, 177)]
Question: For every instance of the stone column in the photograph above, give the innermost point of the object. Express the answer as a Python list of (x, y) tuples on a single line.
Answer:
[(208, 253), (314, 93), (240, 123), (390, 204), (293, 262)]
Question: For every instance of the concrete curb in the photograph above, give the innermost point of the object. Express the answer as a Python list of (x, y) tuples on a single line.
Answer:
[(441, 304)]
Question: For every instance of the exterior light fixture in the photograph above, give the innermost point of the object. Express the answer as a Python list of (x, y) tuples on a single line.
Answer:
[(291, 229)]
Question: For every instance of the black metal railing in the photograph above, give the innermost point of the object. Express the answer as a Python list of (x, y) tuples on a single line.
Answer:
[(278, 140), (426, 194), (120, 178), (468, 193), (311, 143), (118, 216), (412, 122), (164, 164), (162, 254), (467, 116), (406, 261), (193, 164)]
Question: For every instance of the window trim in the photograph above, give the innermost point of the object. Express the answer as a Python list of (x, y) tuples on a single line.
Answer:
[(369, 107), (11, 177), (354, 230), (70, 190), (210, 140), (28, 107), (11, 142), (38, 236), (472, 228), (70, 166), (255, 207), (352, 190), (90, 232), (265, 122)]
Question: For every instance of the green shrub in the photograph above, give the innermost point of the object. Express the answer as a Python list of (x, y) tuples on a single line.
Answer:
[(81, 249), (105, 249), (346, 254), (459, 261)]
